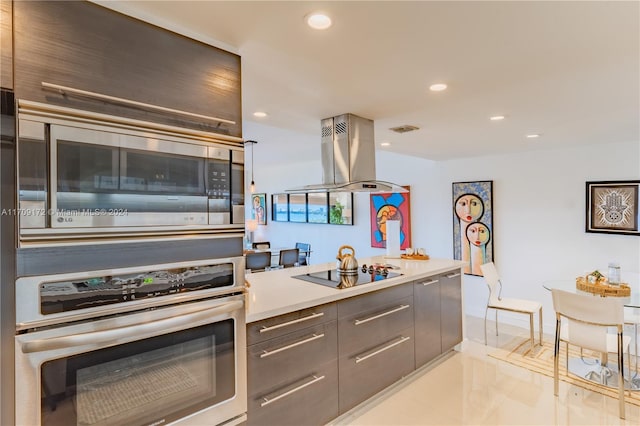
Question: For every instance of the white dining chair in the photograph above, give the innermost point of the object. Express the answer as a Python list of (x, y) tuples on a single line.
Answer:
[(583, 320), (632, 318), (497, 302)]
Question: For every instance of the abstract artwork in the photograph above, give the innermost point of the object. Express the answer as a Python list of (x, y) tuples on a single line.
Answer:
[(612, 207), (390, 206), (473, 224), (259, 208)]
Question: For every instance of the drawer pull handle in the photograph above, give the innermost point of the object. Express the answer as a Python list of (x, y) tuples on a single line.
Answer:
[(374, 353), (430, 282), (265, 354), (384, 314), (296, 321), (70, 90), (457, 274), (267, 401)]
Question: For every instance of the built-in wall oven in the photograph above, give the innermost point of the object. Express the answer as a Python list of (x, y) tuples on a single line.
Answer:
[(88, 175), (160, 344)]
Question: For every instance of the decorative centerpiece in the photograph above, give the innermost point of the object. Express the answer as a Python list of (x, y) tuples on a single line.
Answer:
[(597, 283), (415, 256), (418, 254)]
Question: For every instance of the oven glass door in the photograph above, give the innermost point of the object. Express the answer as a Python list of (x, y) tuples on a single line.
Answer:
[(104, 179), (159, 379)]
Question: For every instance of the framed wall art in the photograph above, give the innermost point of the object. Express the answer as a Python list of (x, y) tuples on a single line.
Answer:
[(298, 208), (259, 208), (612, 207), (280, 207), (341, 208), (334, 208), (390, 206), (473, 224), (318, 207)]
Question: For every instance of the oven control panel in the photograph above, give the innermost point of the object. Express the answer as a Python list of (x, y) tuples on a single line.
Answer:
[(71, 295)]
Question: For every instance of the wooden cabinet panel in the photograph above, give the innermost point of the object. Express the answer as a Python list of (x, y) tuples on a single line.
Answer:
[(366, 373), (311, 399), (427, 320), (451, 308), (373, 300), (283, 359), (293, 368), (269, 328), (438, 315), (88, 47), (375, 342), (368, 328), (6, 44)]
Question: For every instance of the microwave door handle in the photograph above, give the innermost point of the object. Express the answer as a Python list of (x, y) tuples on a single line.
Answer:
[(116, 334)]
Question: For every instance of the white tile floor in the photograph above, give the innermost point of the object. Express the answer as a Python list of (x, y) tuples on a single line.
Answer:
[(470, 388)]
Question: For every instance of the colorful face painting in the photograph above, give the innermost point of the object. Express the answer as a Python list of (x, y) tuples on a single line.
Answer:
[(390, 206), (473, 224), (258, 208)]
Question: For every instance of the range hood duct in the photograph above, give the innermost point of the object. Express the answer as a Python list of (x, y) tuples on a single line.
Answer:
[(348, 158)]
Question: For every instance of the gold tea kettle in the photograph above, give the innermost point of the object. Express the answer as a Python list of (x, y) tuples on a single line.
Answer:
[(347, 262)]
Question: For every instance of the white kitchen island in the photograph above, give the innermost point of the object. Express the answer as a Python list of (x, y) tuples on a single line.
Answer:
[(315, 352), (276, 292)]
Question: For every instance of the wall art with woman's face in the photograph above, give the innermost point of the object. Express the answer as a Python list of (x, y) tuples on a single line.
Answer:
[(473, 224), (259, 208)]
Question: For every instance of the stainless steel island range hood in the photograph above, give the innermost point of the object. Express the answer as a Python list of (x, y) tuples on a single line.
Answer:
[(348, 158)]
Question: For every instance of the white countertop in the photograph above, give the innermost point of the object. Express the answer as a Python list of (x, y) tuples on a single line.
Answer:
[(275, 293)]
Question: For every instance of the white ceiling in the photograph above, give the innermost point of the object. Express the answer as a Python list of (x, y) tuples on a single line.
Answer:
[(567, 70)]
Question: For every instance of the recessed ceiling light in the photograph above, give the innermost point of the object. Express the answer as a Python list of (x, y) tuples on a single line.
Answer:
[(260, 114), (385, 144), (438, 87), (318, 21), (533, 135), (496, 117)]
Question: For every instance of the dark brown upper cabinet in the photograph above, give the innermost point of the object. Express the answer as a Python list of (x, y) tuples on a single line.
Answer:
[(87, 47), (6, 44)]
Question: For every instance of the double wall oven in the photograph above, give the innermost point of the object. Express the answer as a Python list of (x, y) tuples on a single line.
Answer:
[(130, 289), (150, 345)]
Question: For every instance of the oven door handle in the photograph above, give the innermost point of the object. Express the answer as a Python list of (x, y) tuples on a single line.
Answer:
[(115, 335)]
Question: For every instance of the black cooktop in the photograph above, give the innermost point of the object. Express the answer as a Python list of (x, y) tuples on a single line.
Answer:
[(332, 278)]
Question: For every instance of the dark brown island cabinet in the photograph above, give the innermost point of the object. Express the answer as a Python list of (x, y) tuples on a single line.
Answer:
[(310, 366)]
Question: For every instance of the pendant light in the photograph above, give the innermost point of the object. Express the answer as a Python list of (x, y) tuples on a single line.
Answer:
[(252, 187)]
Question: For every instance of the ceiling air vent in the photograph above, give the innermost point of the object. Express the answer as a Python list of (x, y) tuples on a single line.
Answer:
[(404, 129)]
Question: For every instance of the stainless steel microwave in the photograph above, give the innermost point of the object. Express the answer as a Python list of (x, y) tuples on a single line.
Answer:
[(85, 174)]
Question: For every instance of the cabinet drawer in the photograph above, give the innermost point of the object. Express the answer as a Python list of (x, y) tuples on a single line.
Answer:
[(310, 399), (373, 300), (281, 359), (364, 374), (277, 326), (368, 328)]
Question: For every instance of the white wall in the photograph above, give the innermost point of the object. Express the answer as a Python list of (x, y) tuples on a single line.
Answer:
[(539, 218), (539, 211)]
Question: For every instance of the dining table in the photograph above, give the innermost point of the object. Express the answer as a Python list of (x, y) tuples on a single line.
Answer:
[(588, 369)]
